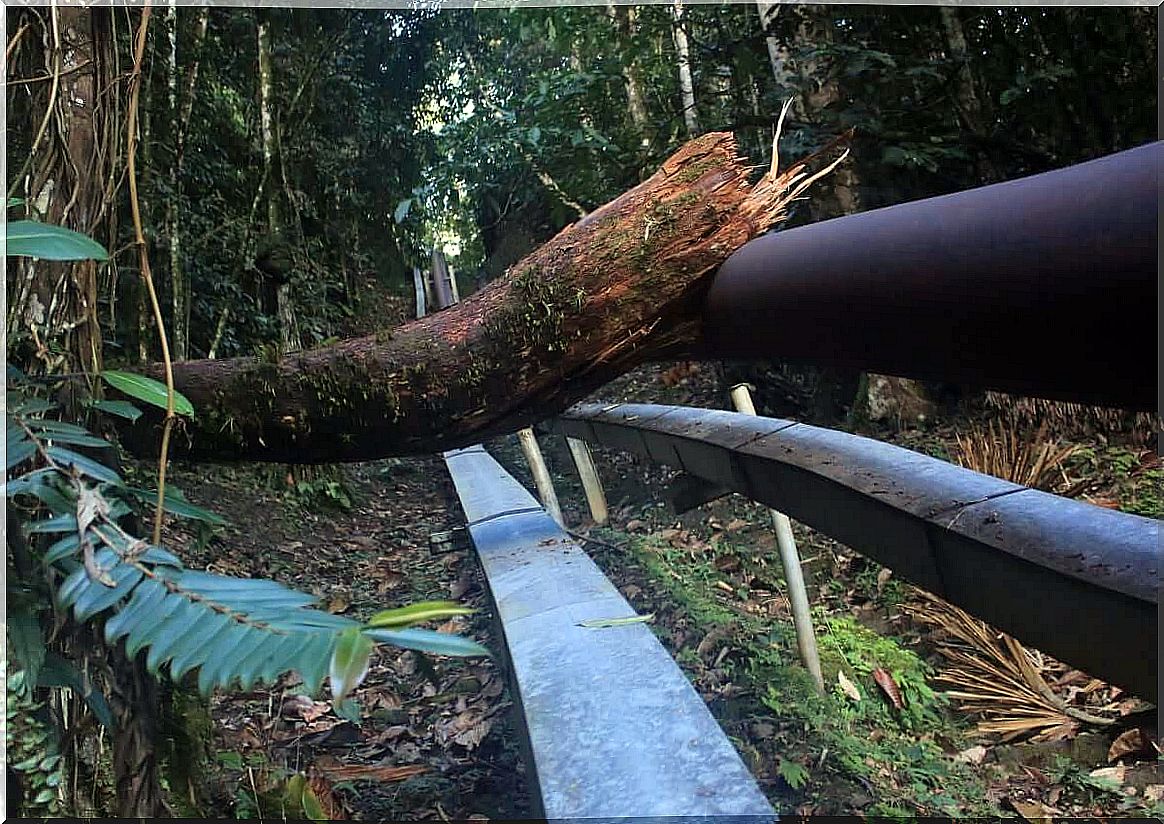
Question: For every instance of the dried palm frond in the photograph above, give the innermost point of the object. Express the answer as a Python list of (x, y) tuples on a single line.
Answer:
[(1068, 419), (994, 676), (1002, 450)]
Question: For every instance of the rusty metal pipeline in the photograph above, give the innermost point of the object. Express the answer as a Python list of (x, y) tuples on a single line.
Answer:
[(1043, 286)]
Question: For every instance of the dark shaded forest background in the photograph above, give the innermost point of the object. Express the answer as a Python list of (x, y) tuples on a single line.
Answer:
[(294, 165)]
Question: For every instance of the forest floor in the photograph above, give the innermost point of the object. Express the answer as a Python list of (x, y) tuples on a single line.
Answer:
[(436, 739)]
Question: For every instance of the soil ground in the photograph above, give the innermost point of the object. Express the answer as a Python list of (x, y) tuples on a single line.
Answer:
[(437, 738)]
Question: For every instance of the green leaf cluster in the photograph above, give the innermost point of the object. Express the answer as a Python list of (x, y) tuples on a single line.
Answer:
[(230, 631)]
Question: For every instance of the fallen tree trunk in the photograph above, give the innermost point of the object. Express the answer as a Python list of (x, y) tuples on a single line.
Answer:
[(623, 286)]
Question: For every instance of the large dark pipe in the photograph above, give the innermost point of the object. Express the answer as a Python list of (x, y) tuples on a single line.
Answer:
[(1042, 286)]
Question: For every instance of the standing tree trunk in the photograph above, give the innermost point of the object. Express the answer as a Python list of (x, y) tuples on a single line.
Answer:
[(625, 24), (71, 173), (288, 328), (686, 84), (777, 52), (969, 103), (181, 102), (179, 289)]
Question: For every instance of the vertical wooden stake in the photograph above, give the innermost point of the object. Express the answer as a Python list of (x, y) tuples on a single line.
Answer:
[(541, 475), (453, 286), (591, 483), (418, 285), (790, 560)]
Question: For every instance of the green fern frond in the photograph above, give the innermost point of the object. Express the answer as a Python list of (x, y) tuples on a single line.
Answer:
[(230, 629)]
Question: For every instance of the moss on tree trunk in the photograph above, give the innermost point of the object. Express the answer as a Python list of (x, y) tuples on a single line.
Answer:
[(620, 287)]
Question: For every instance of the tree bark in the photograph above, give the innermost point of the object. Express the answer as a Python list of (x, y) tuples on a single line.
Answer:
[(181, 106), (969, 103), (619, 288), (288, 327), (686, 84)]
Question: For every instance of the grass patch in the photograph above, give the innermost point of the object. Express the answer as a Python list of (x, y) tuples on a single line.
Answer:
[(837, 754)]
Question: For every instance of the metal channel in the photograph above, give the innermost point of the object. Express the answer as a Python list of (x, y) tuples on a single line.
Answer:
[(1077, 581), (614, 729)]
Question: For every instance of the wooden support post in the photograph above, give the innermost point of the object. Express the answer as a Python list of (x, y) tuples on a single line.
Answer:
[(453, 286), (418, 285), (541, 475), (790, 560), (591, 483)]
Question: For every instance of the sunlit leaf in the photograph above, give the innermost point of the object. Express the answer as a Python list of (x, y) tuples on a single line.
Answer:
[(416, 613), (604, 623), (349, 663), (147, 390)]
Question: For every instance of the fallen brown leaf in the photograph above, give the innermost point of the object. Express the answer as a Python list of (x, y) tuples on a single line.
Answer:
[(1032, 810), (889, 687), (1115, 774), (321, 786), (472, 737), (1130, 742), (303, 707), (848, 687)]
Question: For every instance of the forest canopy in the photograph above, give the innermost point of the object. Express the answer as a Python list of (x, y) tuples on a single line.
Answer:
[(295, 165)]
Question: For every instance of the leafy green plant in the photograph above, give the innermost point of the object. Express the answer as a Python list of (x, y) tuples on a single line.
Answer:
[(47, 242), (792, 772), (226, 628), (313, 493), (1076, 779)]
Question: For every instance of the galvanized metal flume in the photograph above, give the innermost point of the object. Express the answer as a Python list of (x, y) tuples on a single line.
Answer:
[(1077, 581)]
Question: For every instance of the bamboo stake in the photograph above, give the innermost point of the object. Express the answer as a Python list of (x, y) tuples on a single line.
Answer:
[(790, 560), (541, 475), (418, 285), (591, 483)]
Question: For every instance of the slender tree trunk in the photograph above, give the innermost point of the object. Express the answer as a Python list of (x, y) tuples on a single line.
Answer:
[(179, 289), (618, 288), (814, 28), (683, 60), (777, 52), (625, 19), (969, 103), (288, 328)]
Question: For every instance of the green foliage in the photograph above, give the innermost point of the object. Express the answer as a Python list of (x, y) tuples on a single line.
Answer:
[(147, 390), (893, 751), (32, 748), (416, 613), (230, 630), (1076, 780), (793, 773), (41, 240), (314, 493)]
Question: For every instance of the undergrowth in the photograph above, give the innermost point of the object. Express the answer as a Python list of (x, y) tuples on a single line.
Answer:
[(902, 757)]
